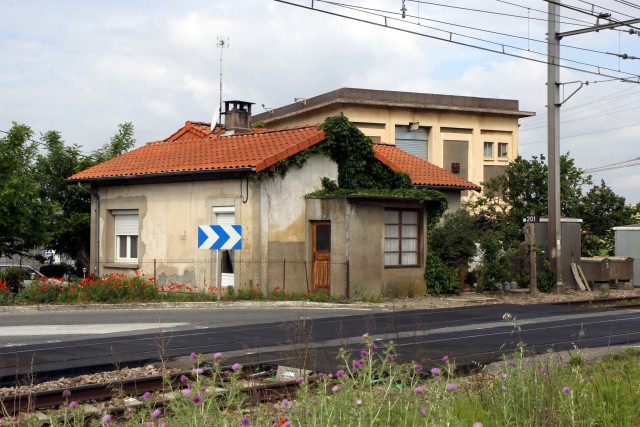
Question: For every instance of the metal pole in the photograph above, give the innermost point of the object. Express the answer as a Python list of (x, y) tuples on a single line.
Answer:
[(533, 276), (553, 133)]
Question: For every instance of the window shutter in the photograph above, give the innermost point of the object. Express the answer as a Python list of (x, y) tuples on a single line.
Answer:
[(126, 225)]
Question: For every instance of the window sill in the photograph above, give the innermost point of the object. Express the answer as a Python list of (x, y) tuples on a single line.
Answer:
[(123, 265), (401, 266)]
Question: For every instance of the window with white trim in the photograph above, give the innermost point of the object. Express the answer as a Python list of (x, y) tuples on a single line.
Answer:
[(126, 225), (401, 237), (502, 150), (226, 215), (488, 149)]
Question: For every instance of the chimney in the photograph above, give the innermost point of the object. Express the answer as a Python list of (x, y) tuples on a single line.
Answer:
[(237, 116)]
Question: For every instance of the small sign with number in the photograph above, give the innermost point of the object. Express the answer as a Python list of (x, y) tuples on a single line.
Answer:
[(532, 218)]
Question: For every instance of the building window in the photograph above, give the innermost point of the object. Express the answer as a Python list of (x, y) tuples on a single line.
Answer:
[(413, 139), (126, 225), (502, 150), (226, 215), (488, 149), (401, 238)]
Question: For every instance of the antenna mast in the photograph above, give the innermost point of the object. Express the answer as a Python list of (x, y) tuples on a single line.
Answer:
[(223, 41)]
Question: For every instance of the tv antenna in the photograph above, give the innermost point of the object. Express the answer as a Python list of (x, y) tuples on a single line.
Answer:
[(223, 42)]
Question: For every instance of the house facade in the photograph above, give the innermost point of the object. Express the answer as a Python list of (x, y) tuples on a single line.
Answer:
[(148, 203), (474, 138)]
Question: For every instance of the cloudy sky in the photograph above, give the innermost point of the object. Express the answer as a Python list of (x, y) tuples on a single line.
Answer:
[(83, 66)]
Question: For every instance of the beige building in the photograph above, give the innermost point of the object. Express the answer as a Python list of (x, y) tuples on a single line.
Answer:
[(148, 206), (473, 138)]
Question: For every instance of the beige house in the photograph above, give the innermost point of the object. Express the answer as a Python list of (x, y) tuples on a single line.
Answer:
[(473, 138), (148, 203)]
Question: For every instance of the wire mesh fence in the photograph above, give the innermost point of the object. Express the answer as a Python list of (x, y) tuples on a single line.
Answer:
[(272, 275)]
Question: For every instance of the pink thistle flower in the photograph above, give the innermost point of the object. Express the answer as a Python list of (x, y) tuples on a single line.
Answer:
[(566, 390), (197, 399), (340, 373), (146, 395), (284, 403), (364, 353), (335, 389), (186, 392), (183, 378), (217, 356), (423, 411), (503, 388), (477, 425), (543, 371), (73, 404), (163, 425), (244, 421), (106, 419), (366, 334), (299, 380), (193, 355), (236, 366), (358, 402), (435, 371), (155, 414), (197, 370), (504, 376), (451, 386), (389, 358), (373, 346), (418, 390), (445, 359), (66, 393), (418, 367)]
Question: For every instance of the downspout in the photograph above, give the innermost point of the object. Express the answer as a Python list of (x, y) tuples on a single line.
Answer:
[(97, 228)]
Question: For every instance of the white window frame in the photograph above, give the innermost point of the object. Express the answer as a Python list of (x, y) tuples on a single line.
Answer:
[(487, 144), (503, 154), (225, 215), (402, 241), (127, 226)]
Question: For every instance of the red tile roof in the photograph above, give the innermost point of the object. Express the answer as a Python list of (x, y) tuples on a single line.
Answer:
[(197, 148), (420, 171)]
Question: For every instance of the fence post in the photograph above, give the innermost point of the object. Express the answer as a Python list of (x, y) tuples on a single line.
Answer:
[(284, 272), (155, 277), (306, 276), (348, 290)]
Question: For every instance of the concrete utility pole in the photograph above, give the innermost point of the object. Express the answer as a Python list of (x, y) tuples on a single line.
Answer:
[(554, 238), (553, 144)]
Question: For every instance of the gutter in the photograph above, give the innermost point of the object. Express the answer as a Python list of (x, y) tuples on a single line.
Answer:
[(162, 175), (97, 235)]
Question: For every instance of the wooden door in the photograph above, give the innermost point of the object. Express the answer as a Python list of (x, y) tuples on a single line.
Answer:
[(321, 250)]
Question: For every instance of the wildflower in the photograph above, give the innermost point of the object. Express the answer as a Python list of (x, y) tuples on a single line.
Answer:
[(335, 389), (503, 388), (197, 399), (389, 358), (146, 395), (445, 359), (358, 402), (364, 353), (423, 411), (150, 424), (66, 393), (418, 367), (186, 392), (365, 335), (511, 363), (244, 421), (217, 356), (193, 356), (299, 380), (435, 371), (155, 414), (236, 366), (73, 404), (340, 373), (357, 364), (543, 371), (566, 390), (106, 419), (451, 386), (287, 424), (197, 370), (284, 403), (282, 422), (163, 425), (418, 390), (183, 378), (503, 376), (320, 374), (373, 346), (477, 425)]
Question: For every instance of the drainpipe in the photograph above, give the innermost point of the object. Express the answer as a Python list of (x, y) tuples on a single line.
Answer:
[(97, 228)]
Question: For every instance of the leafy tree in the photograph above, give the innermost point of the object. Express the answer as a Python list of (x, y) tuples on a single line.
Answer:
[(601, 210), (120, 143), (24, 215)]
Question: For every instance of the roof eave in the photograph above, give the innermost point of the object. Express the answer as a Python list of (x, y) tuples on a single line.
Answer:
[(146, 176)]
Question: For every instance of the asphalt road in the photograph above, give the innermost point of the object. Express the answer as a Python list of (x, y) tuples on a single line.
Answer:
[(312, 337)]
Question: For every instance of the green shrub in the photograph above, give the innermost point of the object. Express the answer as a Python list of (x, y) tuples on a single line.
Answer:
[(439, 278), (55, 270), (13, 279)]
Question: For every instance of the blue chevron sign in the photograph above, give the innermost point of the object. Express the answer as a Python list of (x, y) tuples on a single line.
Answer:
[(228, 237)]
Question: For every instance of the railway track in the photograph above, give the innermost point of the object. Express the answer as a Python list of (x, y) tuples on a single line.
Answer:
[(261, 382)]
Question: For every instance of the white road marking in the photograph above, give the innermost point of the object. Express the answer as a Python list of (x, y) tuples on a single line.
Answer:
[(107, 328)]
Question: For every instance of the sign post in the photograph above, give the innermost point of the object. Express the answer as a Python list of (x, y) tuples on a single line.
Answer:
[(220, 237), (530, 238)]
